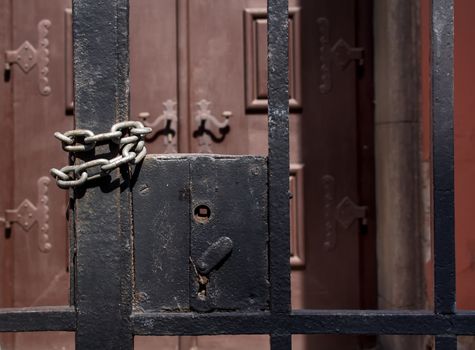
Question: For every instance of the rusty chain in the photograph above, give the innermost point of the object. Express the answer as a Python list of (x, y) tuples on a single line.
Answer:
[(129, 135)]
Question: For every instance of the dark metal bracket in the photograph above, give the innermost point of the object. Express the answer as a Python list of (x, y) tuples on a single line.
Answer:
[(27, 56), (26, 214)]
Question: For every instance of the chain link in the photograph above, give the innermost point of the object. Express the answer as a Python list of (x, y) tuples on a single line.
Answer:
[(128, 135)]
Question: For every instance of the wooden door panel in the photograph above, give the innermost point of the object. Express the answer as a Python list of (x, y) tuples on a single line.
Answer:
[(227, 66), (37, 117), (6, 175), (330, 148), (233, 342), (153, 60), (40, 278), (152, 343), (330, 155), (216, 67)]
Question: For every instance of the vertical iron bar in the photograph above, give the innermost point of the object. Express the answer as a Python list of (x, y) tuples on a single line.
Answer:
[(103, 287), (281, 341), (443, 154), (445, 343), (279, 227)]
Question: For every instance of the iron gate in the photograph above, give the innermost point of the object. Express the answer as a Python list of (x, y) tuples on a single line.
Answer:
[(103, 310)]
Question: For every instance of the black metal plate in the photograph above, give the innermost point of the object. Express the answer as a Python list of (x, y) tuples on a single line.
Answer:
[(173, 242), (162, 242), (235, 189)]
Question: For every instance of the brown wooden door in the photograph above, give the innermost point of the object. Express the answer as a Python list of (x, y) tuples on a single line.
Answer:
[(184, 52), (38, 267), (338, 151)]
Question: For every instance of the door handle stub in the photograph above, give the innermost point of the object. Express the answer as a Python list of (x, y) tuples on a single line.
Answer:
[(27, 56), (214, 255)]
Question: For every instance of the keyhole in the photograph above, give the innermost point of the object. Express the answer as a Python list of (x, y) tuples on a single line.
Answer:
[(202, 214)]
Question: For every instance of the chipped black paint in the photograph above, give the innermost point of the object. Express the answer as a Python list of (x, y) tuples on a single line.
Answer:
[(162, 241), (102, 212), (279, 223)]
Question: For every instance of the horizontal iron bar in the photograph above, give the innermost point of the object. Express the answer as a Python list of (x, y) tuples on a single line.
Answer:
[(306, 322), (299, 322), (38, 319)]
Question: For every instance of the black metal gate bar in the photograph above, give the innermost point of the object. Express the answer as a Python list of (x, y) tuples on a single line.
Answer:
[(103, 281), (446, 342), (281, 341), (374, 322), (279, 225), (443, 154), (278, 165), (38, 319)]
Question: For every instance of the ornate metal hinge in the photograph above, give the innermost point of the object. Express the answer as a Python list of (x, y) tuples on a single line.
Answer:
[(341, 53), (348, 212), (345, 213), (27, 214), (27, 56), (168, 120), (204, 135)]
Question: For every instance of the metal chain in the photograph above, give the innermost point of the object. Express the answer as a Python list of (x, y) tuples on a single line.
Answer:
[(129, 135)]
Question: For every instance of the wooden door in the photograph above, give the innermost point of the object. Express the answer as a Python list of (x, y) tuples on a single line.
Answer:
[(338, 153), (38, 267), (184, 52)]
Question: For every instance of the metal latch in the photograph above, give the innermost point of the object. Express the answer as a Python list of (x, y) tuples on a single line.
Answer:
[(27, 214), (27, 56)]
